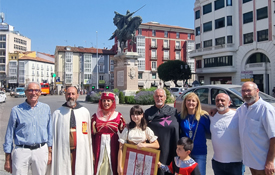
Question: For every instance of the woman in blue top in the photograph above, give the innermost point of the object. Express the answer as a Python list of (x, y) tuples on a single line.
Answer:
[(195, 124)]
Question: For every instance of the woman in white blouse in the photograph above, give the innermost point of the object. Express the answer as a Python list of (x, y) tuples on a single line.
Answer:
[(136, 133)]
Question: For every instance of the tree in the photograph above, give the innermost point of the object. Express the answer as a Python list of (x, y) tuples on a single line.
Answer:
[(174, 70)]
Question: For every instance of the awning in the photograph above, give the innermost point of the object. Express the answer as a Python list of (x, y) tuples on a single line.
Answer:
[(179, 83), (167, 83), (141, 84)]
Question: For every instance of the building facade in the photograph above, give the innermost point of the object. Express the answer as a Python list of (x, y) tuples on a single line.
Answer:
[(25, 67), (234, 42), (77, 66), (10, 41)]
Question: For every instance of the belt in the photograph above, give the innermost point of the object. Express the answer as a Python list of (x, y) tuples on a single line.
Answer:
[(34, 146)]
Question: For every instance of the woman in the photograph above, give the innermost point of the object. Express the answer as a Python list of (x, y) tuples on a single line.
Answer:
[(195, 124), (105, 125)]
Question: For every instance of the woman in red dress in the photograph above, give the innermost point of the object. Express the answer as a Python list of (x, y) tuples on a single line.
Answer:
[(106, 124)]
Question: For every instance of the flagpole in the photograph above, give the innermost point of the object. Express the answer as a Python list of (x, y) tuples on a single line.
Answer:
[(96, 63)]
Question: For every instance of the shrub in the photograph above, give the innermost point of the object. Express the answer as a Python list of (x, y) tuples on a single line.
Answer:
[(94, 97), (169, 98), (130, 100), (121, 98), (116, 91), (144, 97)]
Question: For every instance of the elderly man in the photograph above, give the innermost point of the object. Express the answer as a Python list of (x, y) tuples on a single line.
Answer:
[(257, 131), (162, 119), (227, 159), (72, 144), (30, 128)]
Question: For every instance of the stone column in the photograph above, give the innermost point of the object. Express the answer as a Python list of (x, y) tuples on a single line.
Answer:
[(126, 72)]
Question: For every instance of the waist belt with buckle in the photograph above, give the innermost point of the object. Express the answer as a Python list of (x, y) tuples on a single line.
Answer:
[(31, 147)]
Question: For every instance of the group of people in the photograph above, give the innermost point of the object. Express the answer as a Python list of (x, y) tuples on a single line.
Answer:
[(72, 142)]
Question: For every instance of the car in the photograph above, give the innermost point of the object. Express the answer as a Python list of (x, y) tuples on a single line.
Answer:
[(207, 95), (12, 92), (177, 91), (2, 96), (19, 92)]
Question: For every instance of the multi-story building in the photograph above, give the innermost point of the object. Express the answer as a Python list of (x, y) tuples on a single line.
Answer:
[(157, 43), (235, 42), (26, 67), (77, 66), (10, 41)]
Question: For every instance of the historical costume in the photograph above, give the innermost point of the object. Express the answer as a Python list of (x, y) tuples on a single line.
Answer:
[(72, 144), (164, 124), (106, 124)]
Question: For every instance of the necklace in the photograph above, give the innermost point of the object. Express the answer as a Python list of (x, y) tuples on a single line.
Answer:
[(190, 127)]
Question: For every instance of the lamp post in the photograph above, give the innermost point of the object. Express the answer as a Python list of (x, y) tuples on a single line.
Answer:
[(96, 63)]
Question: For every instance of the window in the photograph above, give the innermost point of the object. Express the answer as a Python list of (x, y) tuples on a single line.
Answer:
[(228, 2), (245, 1), (188, 36), (177, 55), (87, 76), (247, 17), (220, 41), (139, 75), (219, 23), (229, 20), (101, 77), (2, 37), (248, 38), (153, 33), (2, 45), (139, 31), (202, 93), (177, 35), (262, 35), (207, 26), (197, 14), (141, 64), (262, 13), (198, 46), (207, 43), (207, 8), (198, 64), (154, 65), (154, 43), (218, 61), (177, 45), (2, 67), (219, 4), (198, 31), (229, 39), (101, 68), (153, 54), (165, 34), (68, 78), (165, 44), (154, 76), (3, 60), (166, 54)]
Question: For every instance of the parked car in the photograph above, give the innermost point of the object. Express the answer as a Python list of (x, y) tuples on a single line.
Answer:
[(2, 96), (177, 91), (207, 95), (12, 92), (19, 92)]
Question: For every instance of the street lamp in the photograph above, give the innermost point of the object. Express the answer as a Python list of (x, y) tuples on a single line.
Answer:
[(96, 63)]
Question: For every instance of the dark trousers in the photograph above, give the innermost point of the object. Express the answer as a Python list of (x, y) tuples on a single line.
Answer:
[(232, 168)]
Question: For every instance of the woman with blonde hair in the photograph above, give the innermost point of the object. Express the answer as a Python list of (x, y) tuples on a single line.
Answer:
[(195, 124)]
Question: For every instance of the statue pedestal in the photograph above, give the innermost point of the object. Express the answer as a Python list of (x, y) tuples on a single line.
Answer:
[(126, 72)]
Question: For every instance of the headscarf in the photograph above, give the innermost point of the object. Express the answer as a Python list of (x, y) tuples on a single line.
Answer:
[(111, 110)]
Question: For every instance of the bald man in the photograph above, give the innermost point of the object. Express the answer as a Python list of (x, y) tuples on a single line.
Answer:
[(227, 159)]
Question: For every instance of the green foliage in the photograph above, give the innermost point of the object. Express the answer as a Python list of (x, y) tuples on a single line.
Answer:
[(116, 91), (130, 100), (121, 98), (144, 97), (174, 70), (169, 98), (93, 97)]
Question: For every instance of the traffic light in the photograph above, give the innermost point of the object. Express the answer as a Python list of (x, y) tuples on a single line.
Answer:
[(93, 88), (107, 87), (54, 75)]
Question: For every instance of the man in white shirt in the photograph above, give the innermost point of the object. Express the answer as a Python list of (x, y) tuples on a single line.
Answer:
[(227, 159), (257, 131)]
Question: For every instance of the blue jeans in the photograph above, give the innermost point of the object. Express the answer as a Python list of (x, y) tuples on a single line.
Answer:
[(201, 160), (233, 168)]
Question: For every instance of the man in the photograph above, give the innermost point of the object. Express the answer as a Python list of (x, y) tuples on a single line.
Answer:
[(162, 119), (72, 144), (30, 128), (227, 159), (257, 131)]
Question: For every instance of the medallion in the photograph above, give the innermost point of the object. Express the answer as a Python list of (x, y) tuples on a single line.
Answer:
[(190, 134)]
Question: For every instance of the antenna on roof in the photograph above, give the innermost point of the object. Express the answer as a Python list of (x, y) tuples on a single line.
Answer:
[(2, 16)]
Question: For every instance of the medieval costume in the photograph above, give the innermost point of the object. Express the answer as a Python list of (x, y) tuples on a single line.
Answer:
[(164, 124), (105, 128), (72, 144)]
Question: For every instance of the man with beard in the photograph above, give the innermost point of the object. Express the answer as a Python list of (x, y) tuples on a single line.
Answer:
[(257, 131), (72, 144), (162, 119), (227, 157)]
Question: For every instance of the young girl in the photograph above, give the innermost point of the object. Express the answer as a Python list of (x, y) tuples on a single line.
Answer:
[(136, 133)]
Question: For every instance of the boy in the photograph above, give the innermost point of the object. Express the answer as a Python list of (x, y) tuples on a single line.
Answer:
[(182, 164)]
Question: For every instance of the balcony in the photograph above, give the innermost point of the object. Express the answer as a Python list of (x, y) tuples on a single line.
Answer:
[(177, 48), (229, 47), (37, 68), (154, 57), (33, 67), (154, 46), (166, 57), (165, 47)]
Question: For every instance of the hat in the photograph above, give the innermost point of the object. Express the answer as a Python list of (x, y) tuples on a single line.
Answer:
[(108, 95)]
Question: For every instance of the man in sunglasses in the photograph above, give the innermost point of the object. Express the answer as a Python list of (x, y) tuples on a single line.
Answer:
[(30, 128)]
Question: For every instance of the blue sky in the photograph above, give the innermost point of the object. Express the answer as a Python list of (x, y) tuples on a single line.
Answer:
[(51, 23)]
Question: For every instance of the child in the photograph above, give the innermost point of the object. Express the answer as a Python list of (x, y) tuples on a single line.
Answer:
[(136, 133), (182, 164)]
